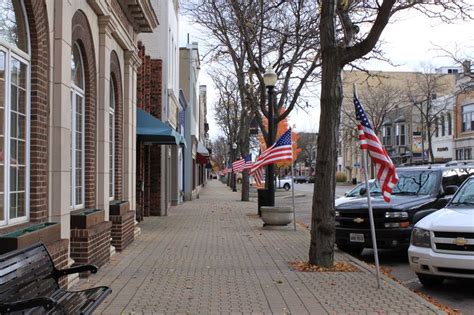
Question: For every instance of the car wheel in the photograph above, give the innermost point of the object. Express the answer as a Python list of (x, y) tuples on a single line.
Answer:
[(350, 249), (429, 280), (286, 186)]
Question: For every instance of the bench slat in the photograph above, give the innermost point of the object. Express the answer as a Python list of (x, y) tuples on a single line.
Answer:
[(29, 273)]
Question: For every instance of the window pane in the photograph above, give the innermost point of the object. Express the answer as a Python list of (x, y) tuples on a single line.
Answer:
[(76, 67), (12, 24)]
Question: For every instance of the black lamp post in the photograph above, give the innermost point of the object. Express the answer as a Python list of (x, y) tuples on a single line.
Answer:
[(270, 79), (234, 179)]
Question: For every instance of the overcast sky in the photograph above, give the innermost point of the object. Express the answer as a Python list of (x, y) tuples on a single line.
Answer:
[(408, 43)]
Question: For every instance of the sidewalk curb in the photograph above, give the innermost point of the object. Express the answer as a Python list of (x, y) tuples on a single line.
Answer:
[(398, 286)]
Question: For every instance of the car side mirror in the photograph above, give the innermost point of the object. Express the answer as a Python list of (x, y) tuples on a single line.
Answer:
[(421, 214), (450, 190), (363, 191), (345, 194)]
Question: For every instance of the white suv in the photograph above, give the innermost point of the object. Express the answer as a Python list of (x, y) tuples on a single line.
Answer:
[(442, 243)]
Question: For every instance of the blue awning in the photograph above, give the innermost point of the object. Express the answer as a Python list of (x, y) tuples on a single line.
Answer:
[(153, 130)]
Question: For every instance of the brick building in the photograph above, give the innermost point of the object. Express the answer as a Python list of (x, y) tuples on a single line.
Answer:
[(463, 115), (67, 106)]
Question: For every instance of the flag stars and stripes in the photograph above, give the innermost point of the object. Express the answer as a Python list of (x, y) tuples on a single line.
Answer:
[(384, 167)]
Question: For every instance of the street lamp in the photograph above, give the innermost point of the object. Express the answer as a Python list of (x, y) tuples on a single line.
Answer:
[(234, 184), (270, 78)]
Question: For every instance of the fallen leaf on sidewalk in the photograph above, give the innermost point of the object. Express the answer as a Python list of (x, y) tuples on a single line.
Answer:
[(450, 311), (444, 308), (279, 281), (337, 267)]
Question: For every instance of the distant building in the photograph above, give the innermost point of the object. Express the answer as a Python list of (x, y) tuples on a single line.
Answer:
[(400, 129)]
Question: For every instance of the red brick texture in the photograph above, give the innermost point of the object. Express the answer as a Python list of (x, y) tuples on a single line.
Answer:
[(149, 98), (92, 245), (81, 34), (116, 77), (59, 252), (123, 230), (37, 16)]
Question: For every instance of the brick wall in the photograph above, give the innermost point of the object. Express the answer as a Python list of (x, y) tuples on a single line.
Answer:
[(123, 230), (39, 40), (81, 34), (92, 245), (59, 252), (149, 98)]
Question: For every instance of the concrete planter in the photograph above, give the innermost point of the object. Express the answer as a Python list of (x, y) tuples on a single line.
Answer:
[(46, 233), (119, 207), (84, 219), (276, 215)]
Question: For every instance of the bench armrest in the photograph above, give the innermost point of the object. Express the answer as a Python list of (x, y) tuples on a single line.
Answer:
[(45, 302), (81, 268)]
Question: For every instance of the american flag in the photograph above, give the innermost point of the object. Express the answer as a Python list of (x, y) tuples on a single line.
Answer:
[(258, 176), (238, 166), (384, 167), (280, 151), (248, 162)]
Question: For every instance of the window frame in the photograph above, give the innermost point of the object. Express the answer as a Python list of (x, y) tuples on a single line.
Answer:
[(112, 123), (15, 53), (77, 91)]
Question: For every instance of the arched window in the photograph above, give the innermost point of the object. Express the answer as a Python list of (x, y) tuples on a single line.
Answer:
[(112, 140), (77, 128), (14, 113), (450, 124), (443, 129)]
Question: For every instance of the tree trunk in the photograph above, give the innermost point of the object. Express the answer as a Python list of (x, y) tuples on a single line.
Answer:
[(430, 143), (245, 150), (321, 250)]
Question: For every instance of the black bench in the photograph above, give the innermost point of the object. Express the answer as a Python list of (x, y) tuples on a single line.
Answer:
[(29, 285)]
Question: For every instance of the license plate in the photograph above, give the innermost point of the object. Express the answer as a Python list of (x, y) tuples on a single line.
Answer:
[(356, 237)]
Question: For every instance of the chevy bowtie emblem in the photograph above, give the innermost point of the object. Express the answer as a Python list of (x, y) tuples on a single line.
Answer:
[(460, 241), (358, 220)]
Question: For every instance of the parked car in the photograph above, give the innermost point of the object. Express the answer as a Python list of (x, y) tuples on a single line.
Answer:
[(311, 179), (419, 188), (284, 183), (301, 179), (442, 243), (359, 191)]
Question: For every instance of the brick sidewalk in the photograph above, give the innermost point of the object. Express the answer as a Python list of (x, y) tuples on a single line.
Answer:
[(212, 255)]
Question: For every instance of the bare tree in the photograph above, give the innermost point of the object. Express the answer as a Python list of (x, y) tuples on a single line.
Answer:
[(220, 152), (308, 143), (423, 93), (249, 35), (350, 30)]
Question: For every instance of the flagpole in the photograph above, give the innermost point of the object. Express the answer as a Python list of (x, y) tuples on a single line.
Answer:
[(293, 188), (371, 217)]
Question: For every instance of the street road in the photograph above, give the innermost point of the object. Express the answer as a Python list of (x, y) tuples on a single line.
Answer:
[(458, 294)]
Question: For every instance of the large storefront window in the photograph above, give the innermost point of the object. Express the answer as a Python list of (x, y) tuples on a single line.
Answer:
[(112, 140), (468, 118), (14, 113), (77, 129)]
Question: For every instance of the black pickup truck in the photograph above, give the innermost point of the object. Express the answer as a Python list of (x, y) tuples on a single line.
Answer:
[(419, 188)]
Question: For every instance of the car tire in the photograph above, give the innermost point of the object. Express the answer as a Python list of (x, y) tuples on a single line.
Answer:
[(286, 186), (429, 280), (350, 249)]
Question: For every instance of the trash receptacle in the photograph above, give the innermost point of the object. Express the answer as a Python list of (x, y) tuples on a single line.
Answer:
[(354, 181), (264, 199)]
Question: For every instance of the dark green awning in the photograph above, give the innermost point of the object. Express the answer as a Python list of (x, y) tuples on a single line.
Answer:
[(153, 130)]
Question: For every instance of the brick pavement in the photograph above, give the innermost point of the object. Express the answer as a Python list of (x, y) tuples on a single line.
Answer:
[(212, 256)]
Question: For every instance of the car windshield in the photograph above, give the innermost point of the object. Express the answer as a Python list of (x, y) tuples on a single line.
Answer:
[(415, 183), (373, 186), (465, 195)]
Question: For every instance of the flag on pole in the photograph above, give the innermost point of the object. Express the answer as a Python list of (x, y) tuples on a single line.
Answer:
[(248, 162), (258, 176), (280, 151), (384, 167), (238, 166)]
